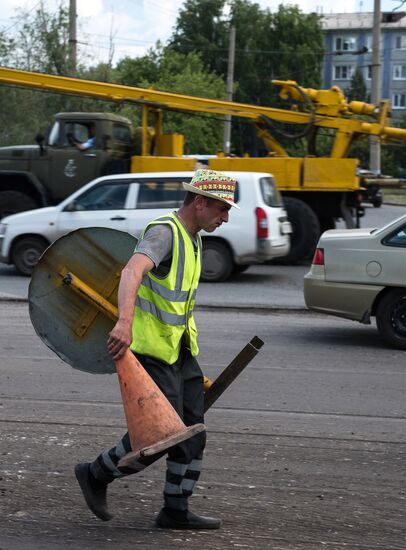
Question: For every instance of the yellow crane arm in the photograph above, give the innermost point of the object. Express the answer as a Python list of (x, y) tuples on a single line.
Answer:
[(143, 96), (330, 109)]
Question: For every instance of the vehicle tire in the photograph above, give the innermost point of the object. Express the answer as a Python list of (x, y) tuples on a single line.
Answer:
[(217, 262), (377, 202), (305, 231), (12, 202), (26, 253), (391, 318)]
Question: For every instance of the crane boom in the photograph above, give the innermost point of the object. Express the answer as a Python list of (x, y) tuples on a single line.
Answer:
[(329, 107)]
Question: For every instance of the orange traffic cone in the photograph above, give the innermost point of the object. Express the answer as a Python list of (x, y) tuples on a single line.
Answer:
[(153, 424)]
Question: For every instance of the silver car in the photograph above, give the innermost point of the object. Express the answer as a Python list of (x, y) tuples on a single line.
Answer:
[(359, 273)]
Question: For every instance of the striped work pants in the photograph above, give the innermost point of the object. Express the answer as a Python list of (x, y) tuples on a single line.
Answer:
[(182, 384)]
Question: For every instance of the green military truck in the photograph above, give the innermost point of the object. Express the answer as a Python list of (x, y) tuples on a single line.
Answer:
[(32, 176)]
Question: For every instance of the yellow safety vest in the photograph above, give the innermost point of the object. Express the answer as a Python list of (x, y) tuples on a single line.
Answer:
[(163, 317)]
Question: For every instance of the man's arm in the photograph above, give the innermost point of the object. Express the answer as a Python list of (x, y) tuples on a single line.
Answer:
[(85, 145), (120, 337)]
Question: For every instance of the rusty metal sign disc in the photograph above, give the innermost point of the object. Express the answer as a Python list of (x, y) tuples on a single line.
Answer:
[(84, 262)]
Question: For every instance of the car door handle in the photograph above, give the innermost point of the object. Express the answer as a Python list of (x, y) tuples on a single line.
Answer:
[(118, 218), (91, 155)]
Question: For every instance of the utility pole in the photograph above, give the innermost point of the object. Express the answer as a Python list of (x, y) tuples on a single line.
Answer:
[(72, 38), (230, 82), (374, 143)]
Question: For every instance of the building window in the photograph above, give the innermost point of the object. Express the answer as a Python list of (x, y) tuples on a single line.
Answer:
[(343, 72), (399, 72), (399, 101), (368, 42), (345, 43), (400, 42)]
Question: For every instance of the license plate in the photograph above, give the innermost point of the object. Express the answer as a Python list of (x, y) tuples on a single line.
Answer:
[(286, 228)]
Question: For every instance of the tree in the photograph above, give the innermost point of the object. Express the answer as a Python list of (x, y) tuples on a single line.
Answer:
[(40, 44), (200, 27), (135, 71), (166, 70), (357, 90), (287, 44)]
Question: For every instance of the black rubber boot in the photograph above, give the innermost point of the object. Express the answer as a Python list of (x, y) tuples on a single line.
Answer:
[(173, 519), (94, 491)]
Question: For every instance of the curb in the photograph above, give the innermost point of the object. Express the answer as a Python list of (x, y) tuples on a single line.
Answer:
[(206, 307), (11, 298), (252, 308)]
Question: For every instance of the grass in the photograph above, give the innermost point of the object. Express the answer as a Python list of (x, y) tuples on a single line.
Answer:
[(394, 195)]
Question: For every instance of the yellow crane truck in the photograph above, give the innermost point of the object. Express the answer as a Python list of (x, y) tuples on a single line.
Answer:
[(316, 190)]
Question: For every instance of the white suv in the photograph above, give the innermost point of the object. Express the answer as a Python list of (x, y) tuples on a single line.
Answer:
[(258, 232)]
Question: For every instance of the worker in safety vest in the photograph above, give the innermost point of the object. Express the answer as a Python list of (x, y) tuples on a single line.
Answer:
[(156, 297)]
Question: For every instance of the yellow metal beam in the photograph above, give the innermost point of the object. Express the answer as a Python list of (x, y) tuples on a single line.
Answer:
[(172, 101), (330, 107), (90, 295)]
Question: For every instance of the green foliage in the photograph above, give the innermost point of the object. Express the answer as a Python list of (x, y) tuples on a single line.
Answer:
[(39, 45), (42, 41), (357, 90), (392, 157), (136, 71), (166, 70), (7, 46), (286, 44), (24, 113), (201, 28)]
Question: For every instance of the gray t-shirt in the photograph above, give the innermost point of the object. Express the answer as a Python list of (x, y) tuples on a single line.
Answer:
[(157, 245)]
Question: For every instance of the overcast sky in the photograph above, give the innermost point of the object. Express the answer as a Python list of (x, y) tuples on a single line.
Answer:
[(136, 25)]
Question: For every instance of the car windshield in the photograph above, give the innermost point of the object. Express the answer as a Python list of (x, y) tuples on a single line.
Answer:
[(108, 196)]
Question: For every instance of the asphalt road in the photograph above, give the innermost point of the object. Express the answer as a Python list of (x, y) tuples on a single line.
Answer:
[(305, 451)]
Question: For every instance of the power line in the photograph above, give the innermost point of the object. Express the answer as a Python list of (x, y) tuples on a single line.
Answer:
[(23, 16), (165, 9), (125, 39)]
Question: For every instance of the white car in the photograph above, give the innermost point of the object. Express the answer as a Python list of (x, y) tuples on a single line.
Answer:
[(256, 233)]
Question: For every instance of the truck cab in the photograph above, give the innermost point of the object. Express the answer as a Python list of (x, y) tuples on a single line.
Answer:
[(44, 174)]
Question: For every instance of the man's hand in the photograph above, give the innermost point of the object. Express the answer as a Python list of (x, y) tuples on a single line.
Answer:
[(119, 339)]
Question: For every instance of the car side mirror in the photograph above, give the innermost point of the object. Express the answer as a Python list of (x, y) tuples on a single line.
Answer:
[(71, 207), (40, 140)]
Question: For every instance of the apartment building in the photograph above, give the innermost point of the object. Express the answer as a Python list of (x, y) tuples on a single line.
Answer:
[(346, 34)]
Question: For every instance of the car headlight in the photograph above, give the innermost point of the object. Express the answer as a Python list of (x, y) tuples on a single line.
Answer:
[(3, 228)]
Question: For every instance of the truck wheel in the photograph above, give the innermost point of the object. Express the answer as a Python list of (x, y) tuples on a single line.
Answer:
[(305, 231), (391, 318), (12, 202), (377, 201), (26, 253), (217, 262)]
